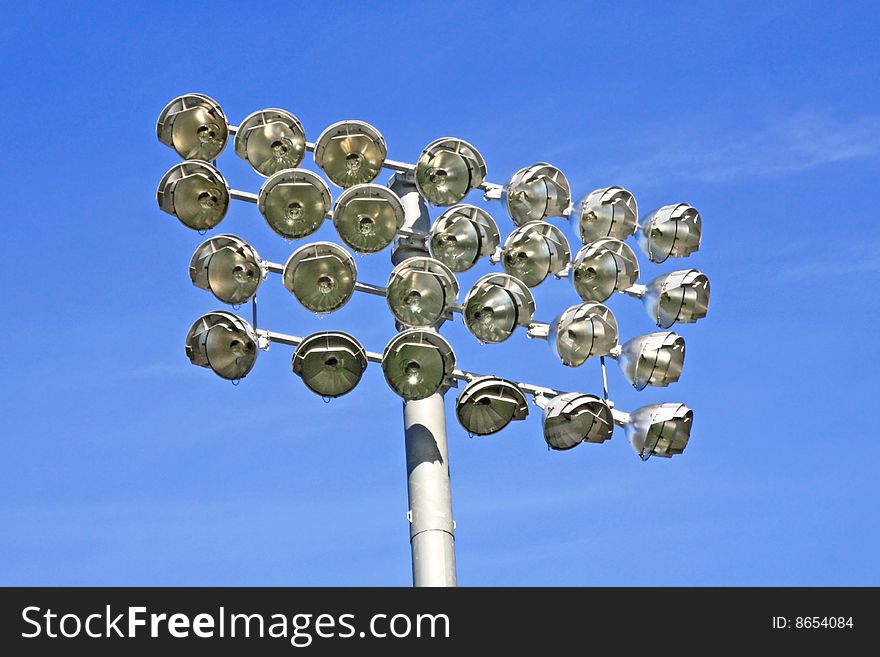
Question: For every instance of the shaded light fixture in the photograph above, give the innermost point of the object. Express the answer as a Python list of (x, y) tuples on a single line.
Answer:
[(294, 202), (655, 359), (535, 193), (534, 251), (227, 267), (677, 297), (224, 343), (368, 217), (659, 429), (496, 306), (418, 363), (583, 331), (271, 140), (194, 126), (487, 404), (321, 276), (462, 235), (330, 363), (448, 169), (606, 212), (673, 231), (194, 192), (351, 153), (602, 268), (420, 291), (573, 418)]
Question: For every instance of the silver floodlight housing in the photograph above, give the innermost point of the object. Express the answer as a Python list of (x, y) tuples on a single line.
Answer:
[(462, 235), (535, 251), (195, 126), (602, 268), (573, 418), (581, 332), (271, 140), (418, 363), (368, 217), (224, 343), (655, 359), (321, 276), (487, 404), (659, 429), (448, 169), (677, 297), (330, 363), (496, 306), (420, 291), (606, 212), (673, 231), (351, 153), (194, 192), (227, 267), (294, 202), (536, 193)]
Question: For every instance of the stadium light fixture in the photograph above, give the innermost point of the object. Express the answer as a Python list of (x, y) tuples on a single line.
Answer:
[(536, 193), (487, 404), (496, 306), (573, 418), (294, 202), (447, 170), (659, 429), (418, 363), (535, 251), (368, 217), (271, 140), (321, 276), (227, 267), (606, 212), (224, 343), (194, 192), (673, 231), (194, 126), (351, 153), (420, 291), (330, 363), (462, 235), (602, 268)]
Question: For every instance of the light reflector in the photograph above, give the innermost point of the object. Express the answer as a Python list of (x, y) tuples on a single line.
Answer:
[(271, 140), (418, 363), (420, 291), (448, 169), (228, 267), (534, 251), (655, 359), (224, 343), (350, 153), (294, 202), (660, 429), (367, 217), (606, 212), (602, 268), (583, 331), (330, 363), (194, 126), (321, 276), (496, 306), (678, 297), (195, 193), (462, 235), (673, 231), (535, 193), (488, 404), (573, 418)]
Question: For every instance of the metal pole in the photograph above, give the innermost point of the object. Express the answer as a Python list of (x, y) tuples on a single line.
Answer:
[(431, 528)]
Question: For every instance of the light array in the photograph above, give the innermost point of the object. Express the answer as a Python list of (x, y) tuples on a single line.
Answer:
[(422, 292)]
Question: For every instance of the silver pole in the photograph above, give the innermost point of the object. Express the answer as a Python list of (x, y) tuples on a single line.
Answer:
[(431, 529)]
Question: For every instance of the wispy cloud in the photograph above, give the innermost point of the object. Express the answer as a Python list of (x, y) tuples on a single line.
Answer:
[(856, 259), (719, 153)]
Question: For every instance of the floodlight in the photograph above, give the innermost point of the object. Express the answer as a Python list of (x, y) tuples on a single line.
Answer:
[(418, 363), (271, 140), (673, 231), (228, 267), (194, 126), (224, 343), (655, 359), (582, 331), (679, 296), (606, 212), (420, 291), (495, 306), (462, 235), (487, 404), (534, 251), (367, 217), (602, 268), (660, 429), (535, 193), (448, 169), (350, 153), (573, 418), (321, 276), (194, 192), (294, 202), (330, 363)]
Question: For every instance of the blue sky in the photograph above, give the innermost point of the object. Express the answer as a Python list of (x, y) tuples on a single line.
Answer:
[(124, 464)]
